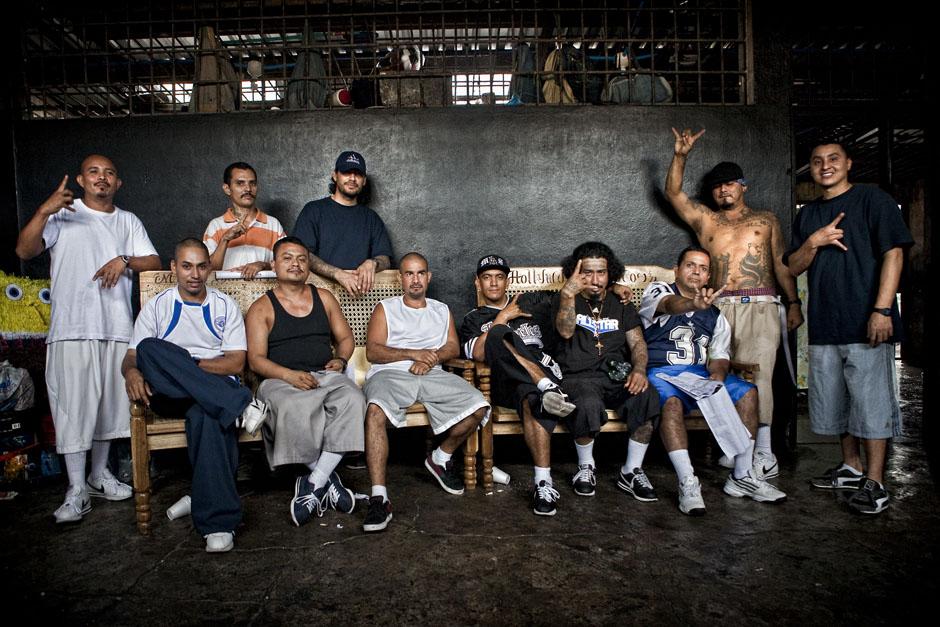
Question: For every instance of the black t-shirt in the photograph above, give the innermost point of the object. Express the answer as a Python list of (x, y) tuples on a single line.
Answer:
[(536, 331), (580, 353), (342, 236), (843, 285)]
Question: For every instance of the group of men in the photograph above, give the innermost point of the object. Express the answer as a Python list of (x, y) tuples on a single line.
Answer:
[(569, 356)]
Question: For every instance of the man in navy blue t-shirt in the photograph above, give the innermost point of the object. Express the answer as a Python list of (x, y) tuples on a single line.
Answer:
[(346, 239), (851, 240)]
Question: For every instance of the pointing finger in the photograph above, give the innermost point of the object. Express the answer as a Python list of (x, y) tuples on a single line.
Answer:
[(65, 180), (838, 219)]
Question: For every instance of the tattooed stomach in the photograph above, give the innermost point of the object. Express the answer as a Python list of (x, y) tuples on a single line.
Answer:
[(739, 265)]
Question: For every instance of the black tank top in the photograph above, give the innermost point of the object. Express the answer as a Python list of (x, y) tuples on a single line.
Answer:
[(300, 343)]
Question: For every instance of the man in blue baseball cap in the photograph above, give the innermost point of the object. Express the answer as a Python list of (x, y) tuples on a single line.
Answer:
[(347, 240)]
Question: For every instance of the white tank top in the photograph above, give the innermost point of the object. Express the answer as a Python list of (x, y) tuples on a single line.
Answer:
[(413, 328)]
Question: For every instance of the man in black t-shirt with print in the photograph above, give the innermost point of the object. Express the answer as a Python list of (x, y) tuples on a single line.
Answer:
[(851, 240), (600, 338), (510, 335)]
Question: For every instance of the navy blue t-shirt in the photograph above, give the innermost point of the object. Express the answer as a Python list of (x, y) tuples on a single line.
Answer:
[(843, 285), (342, 236)]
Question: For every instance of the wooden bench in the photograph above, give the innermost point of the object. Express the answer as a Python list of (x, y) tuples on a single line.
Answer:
[(505, 421), (150, 432)]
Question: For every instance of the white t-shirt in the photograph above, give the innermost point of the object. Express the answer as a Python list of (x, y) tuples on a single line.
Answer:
[(408, 327), (206, 330), (80, 243)]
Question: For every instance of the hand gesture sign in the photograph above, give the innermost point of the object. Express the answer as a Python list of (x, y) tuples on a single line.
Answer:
[(829, 234), (706, 296), (240, 228), (511, 312), (61, 198), (576, 283), (685, 140)]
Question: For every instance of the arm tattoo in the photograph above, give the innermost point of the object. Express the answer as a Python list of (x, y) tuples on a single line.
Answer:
[(565, 320), (382, 262), (321, 267), (638, 355)]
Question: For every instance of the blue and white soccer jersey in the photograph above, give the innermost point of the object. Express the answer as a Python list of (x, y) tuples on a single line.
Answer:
[(684, 343), (206, 330)]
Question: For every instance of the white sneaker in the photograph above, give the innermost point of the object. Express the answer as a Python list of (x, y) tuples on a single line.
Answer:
[(690, 497), (556, 403), (107, 486), (756, 489), (765, 465), (220, 542), (254, 415), (75, 506), (726, 462)]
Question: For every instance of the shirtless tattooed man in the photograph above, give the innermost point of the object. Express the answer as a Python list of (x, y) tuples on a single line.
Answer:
[(746, 248)]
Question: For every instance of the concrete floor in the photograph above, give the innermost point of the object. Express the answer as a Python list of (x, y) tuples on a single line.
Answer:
[(487, 559)]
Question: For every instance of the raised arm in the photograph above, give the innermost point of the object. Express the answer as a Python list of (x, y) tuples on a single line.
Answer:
[(29, 244), (691, 212), (829, 235), (566, 318)]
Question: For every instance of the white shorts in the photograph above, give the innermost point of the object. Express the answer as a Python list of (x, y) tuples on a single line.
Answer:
[(447, 398), (86, 392)]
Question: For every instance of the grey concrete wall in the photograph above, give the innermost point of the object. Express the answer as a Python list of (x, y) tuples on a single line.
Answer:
[(453, 183)]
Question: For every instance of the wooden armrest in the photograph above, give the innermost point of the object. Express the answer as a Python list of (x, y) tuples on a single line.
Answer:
[(483, 370), (460, 364)]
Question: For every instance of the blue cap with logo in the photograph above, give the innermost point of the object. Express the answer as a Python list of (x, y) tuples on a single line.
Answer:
[(350, 160)]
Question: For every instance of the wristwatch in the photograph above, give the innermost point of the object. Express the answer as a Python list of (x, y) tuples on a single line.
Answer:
[(126, 260), (886, 311)]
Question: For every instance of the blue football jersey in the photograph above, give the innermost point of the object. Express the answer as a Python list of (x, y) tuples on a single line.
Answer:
[(683, 339)]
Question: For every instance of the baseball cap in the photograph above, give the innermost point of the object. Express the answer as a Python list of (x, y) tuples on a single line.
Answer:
[(723, 173), (350, 160), (492, 262)]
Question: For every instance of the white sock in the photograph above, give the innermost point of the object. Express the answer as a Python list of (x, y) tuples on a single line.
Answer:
[(323, 468), (743, 462), (75, 467), (543, 474), (681, 462), (379, 490), (545, 384), (99, 457), (763, 439), (636, 451), (585, 453), (439, 457)]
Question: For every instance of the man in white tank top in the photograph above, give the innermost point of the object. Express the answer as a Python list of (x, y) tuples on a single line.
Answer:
[(409, 337)]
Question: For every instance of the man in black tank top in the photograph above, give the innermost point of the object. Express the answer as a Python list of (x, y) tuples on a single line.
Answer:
[(299, 341)]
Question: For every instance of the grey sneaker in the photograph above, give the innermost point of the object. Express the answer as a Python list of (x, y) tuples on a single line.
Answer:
[(75, 506), (756, 489), (872, 498), (556, 403), (840, 477), (690, 497)]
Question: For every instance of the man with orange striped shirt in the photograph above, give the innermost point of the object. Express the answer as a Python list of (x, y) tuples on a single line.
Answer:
[(242, 239)]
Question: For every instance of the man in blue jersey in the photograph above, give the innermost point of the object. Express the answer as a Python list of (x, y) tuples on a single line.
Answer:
[(685, 332), (185, 355)]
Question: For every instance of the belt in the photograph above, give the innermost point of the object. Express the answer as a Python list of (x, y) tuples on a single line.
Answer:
[(733, 299), (754, 291)]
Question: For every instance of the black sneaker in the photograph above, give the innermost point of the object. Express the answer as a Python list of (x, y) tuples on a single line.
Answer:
[(872, 498), (339, 496), (445, 475), (544, 498), (584, 480), (378, 516), (637, 485), (307, 502), (838, 478)]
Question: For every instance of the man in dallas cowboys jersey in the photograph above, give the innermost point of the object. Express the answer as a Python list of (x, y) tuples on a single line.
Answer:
[(509, 335), (684, 332), (187, 349)]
